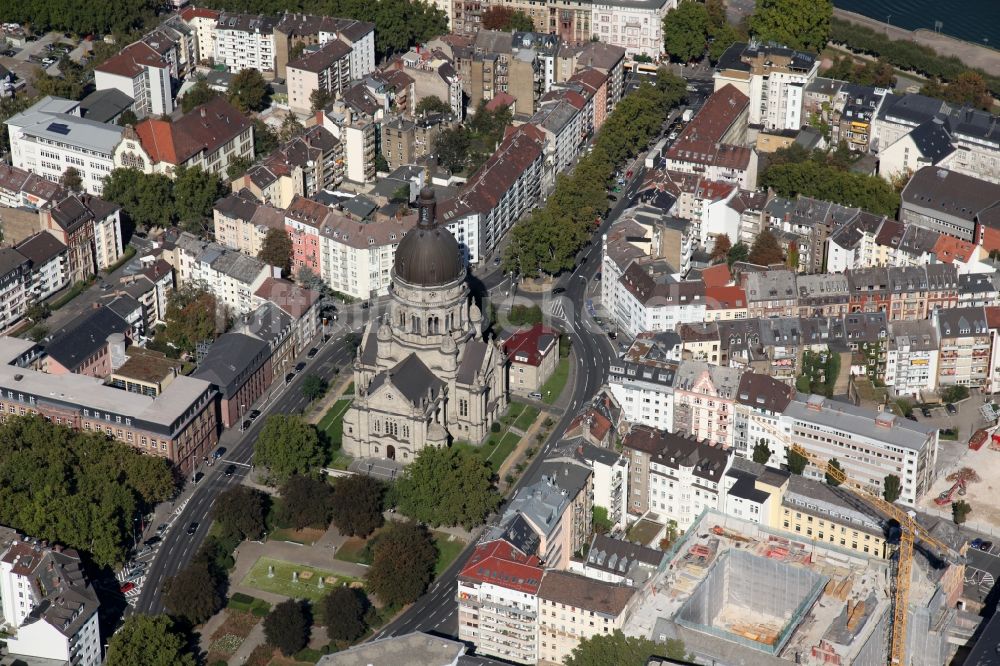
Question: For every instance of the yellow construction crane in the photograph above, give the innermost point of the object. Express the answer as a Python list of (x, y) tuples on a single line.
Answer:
[(910, 531)]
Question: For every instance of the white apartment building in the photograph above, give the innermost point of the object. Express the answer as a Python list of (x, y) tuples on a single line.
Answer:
[(326, 68), (356, 132), (14, 297), (868, 445), (231, 276), (773, 77), (143, 74), (642, 382), (610, 481), (760, 402), (360, 36), (911, 364), (498, 603), (561, 122), (49, 270), (685, 478), (636, 27), (49, 608), (203, 22), (244, 41), (653, 301), (356, 259), (50, 137)]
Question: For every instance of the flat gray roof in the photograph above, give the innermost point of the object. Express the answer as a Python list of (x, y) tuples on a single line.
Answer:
[(38, 121)]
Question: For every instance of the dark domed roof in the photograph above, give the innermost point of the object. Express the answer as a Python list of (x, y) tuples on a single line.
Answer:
[(428, 255)]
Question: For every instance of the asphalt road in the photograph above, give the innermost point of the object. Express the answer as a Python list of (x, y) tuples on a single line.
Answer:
[(177, 547), (436, 612)]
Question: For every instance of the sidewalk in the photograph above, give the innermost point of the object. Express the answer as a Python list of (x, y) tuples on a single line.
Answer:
[(527, 441), (318, 411), (254, 638)]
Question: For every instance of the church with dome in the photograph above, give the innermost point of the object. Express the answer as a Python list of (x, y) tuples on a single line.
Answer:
[(426, 374)]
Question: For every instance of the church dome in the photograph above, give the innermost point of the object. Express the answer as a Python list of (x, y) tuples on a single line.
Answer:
[(428, 255)]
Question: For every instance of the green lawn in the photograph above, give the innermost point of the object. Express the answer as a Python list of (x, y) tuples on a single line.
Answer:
[(644, 531), (526, 418), (448, 547), (332, 423), (514, 410), (351, 550), (553, 388), (306, 587)]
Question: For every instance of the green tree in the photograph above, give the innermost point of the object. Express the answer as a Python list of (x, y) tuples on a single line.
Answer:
[(291, 127), (737, 253), (891, 488), (722, 37), (834, 472), (357, 505), (761, 452), (276, 250), (248, 91), (403, 562), (195, 193), (796, 462), (506, 19), (147, 199), (193, 593), (721, 247), (451, 147), (196, 95), (960, 510), (765, 250), (148, 640), (313, 387), (829, 182), (237, 167), (10, 106), (127, 118), (192, 316), (319, 99), (286, 627), (447, 486), (38, 312), (954, 393), (265, 139), (288, 445), (685, 31), (240, 512), (617, 649), (343, 612), (306, 502), (600, 521), (71, 179), (432, 104), (798, 24)]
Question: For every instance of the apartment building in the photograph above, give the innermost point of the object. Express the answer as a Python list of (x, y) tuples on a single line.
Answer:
[(560, 120), (357, 132), (618, 561), (210, 136), (964, 357), (773, 77), (610, 470), (203, 22), (303, 220), (704, 399), (911, 366), (760, 402), (406, 141), (239, 367), (427, 72), (293, 29), (498, 601), (50, 136), (532, 355), (326, 69), (636, 27), (952, 203), (244, 41), (231, 276), (15, 299), (49, 607), (573, 608), (20, 188), (303, 166), (868, 445), (141, 72), (642, 382), (854, 245), (499, 192), (91, 230), (242, 223), (48, 259), (771, 293), (180, 424), (652, 300)]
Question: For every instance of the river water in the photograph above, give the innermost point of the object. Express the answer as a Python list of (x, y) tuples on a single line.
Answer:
[(971, 20)]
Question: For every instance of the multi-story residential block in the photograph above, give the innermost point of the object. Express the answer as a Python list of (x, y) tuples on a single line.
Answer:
[(952, 203), (643, 381), (560, 122), (673, 476), (853, 114), (231, 276), (49, 265), (771, 293), (573, 608), (430, 73), (141, 72), (499, 193), (405, 141), (619, 561), (239, 367), (15, 298), (304, 166), (606, 58), (978, 289), (211, 136), (357, 132), (927, 145), (244, 41), (652, 300), (49, 607), (868, 445), (822, 295), (854, 244), (760, 401), (912, 358), (299, 303), (724, 303), (498, 602), (91, 230), (610, 478), (704, 396), (180, 424), (773, 77), (20, 188), (242, 223), (203, 22), (50, 137), (303, 220), (326, 69), (869, 289), (964, 336), (636, 27), (532, 355), (294, 29)]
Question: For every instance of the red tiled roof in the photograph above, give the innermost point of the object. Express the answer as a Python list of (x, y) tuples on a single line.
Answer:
[(288, 296), (307, 211), (599, 424), (132, 59), (993, 316), (949, 249), (207, 127), (189, 13), (590, 78), (716, 276), (700, 140), (500, 101), (524, 345), (500, 563), (725, 298)]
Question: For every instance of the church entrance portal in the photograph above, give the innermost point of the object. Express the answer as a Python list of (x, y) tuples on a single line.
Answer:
[(390, 452)]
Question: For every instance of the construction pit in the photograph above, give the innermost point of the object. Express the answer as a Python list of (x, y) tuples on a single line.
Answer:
[(738, 593)]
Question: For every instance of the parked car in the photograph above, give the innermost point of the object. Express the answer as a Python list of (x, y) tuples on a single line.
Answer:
[(559, 290), (289, 377), (152, 541), (926, 412), (536, 395), (127, 587), (981, 544), (254, 413), (911, 416), (246, 424), (163, 528), (312, 352), (192, 528), (197, 477), (218, 453), (612, 335), (951, 408), (300, 366)]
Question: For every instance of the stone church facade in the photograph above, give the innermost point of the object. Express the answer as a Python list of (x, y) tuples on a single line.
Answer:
[(425, 372)]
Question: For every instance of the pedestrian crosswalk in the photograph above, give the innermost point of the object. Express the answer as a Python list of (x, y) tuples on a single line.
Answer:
[(556, 309)]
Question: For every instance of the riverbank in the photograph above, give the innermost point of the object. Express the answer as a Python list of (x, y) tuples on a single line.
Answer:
[(973, 55)]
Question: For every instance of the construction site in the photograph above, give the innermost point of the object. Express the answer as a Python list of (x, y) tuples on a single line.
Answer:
[(738, 593)]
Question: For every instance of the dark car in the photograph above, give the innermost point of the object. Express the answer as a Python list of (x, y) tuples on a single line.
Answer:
[(289, 377), (952, 409), (912, 417), (254, 413), (230, 470), (246, 424), (926, 412), (300, 366), (197, 477), (151, 541), (218, 453), (559, 290), (313, 352), (612, 335), (192, 528)]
